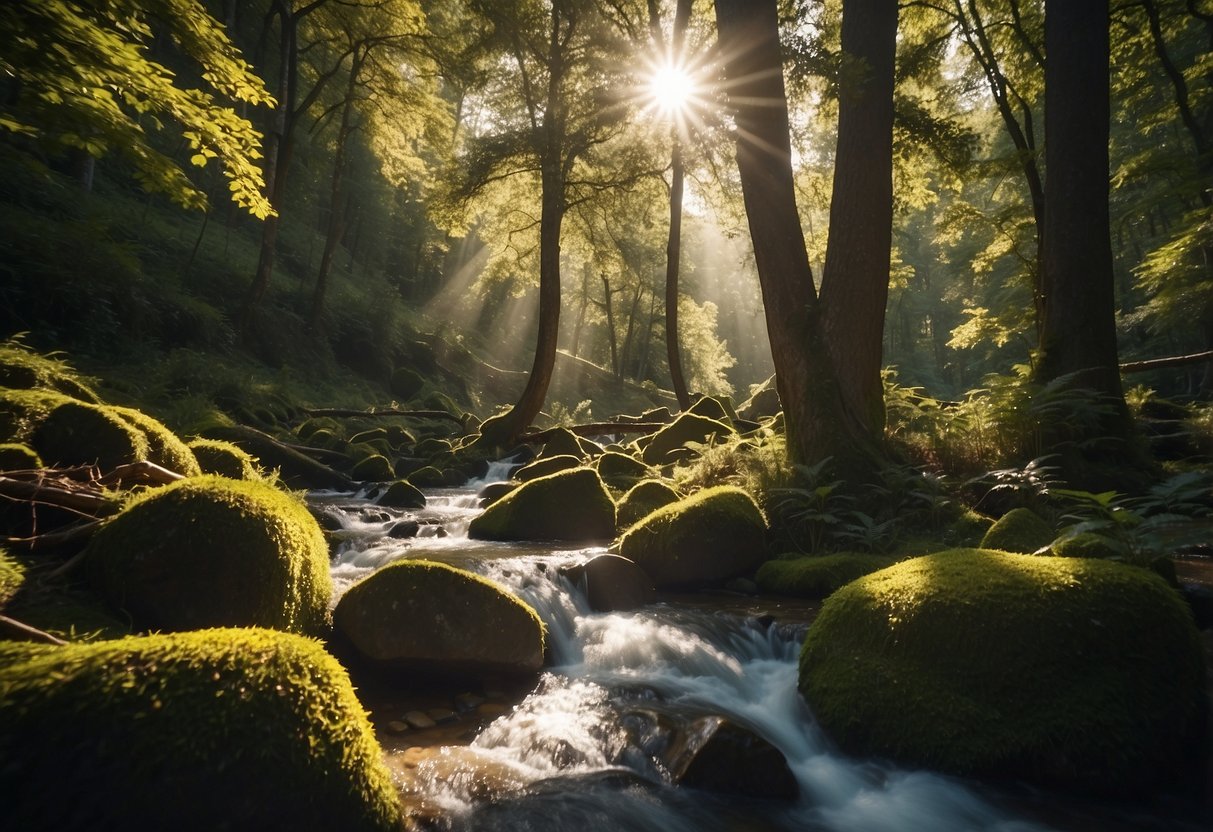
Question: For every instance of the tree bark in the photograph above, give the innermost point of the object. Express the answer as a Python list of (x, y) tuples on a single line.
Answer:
[(609, 308), (673, 254), (855, 286), (815, 420)]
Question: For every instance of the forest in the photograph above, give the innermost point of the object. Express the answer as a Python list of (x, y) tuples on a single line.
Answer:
[(664, 415)]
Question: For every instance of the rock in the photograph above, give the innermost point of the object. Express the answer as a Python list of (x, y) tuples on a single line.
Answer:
[(763, 403), (715, 534), (742, 586), (406, 383), (402, 494), (328, 519), (371, 516), (562, 442), (621, 470), (1087, 545), (1019, 530), (15, 456), (76, 433), (419, 720), (643, 499), (374, 468), (816, 576), (225, 459), (720, 756), (210, 551), (427, 617), (1066, 672), (546, 465), (164, 448), (467, 702), (568, 505), (667, 445), (493, 492), (296, 469), (404, 529), (427, 477), (442, 716), (395, 726), (717, 408), (612, 583), (217, 729), (369, 435)]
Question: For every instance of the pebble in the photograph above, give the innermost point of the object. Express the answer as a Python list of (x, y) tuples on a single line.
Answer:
[(397, 727), (468, 702), (419, 720), (442, 716)]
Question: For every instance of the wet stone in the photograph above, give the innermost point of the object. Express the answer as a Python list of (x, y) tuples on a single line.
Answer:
[(465, 702), (404, 529), (397, 727), (419, 720), (442, 716), (369, 516)]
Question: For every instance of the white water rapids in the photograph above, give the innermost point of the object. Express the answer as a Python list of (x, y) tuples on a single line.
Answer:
[(575, 754)]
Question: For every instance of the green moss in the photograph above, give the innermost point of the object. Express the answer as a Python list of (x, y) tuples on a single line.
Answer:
[(1089, 545), (374, 468), (15, 456), (1062, 671), (402, 494), (818, 576), (1019, 530), (219, 729), (621, 469), (406, 383), (546, 465), (12, 577), (718, 408), (164, 448), (432, 447), (224, 458), (427, 477), (667, 444), (210, 551), (21, 368), (369, 435), (424, 616), (399, 436), (714, 534), (568, 505), (563, 441), (76, 433), (642, 499), (306, 430)]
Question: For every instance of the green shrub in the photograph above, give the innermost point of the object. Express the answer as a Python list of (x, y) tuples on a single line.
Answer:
[(219, 729), (714, 534), (567, 505), (1062, 671), (210, 551), (818, 576)]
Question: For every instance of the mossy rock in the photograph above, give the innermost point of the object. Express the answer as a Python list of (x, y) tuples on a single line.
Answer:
[(642, 499), (1067, 672), (22, 368), (15, 456), (406, 383), (763, 403), (164, 447), (544, 466), (1089, 545), (374, 468), (718, 408), (211, 551), (432, 447), (427, 477), (623, 469), (816, 576), (12, 577), (1019, 530), (667, 445), (77, 433), (399, 436), (494, 491), (712, 535), (21, 411), (225, 459), (307, 429), (568, 505), (296, 469), (369, 435), (561, 442), (218, 729), (402, 494), (325, 438), (428, 617)]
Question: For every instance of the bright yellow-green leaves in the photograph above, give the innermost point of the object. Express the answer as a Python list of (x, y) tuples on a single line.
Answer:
[(86, 82)]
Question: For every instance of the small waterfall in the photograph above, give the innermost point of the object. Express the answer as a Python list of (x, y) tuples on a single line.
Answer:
[(498, 471)]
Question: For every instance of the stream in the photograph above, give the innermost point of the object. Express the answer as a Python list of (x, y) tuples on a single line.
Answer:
[(580, 751)]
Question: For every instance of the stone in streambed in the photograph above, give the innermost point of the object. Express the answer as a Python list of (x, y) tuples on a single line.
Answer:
[(430, 617), (402, 494), (721, 756), (568, 505), (643, 499), (612, 583)]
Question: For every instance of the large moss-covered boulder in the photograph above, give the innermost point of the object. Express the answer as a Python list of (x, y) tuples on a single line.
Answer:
[(543, 466), (433, 618), (568, 505), (667, 445), (402, 494), (211, 551), (1019, 530), (78, 433), (562, 441), (218, 729), (373, 468), (1066, 672), (644, 498), (295, 468), (714, 534), (24, 369), (163, 446), (816, 576), (621, 470), (15, 456), (224, 458), (719, 408)]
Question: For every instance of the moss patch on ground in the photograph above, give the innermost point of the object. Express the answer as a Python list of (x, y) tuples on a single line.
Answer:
[(714, 534), (1067, 672), (816, 576), (567, 505), (218, 729), (211, 551)]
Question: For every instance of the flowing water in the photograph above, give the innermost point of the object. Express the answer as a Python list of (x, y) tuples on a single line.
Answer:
[(583, 751)]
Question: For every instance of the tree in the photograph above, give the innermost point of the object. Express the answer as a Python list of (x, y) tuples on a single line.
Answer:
[(78, 76), (817, 421), (1078, 337)]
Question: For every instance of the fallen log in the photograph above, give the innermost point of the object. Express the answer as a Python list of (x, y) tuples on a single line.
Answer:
[(86, 501), (383, 413), (297, 470), (1164, 363), (593, 429)]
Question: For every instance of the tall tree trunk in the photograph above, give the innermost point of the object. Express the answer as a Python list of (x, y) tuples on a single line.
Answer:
[(673, 253), (815, 419), (586, 272), (610, 318), (625, 354), (855, 286), (1078, 339)]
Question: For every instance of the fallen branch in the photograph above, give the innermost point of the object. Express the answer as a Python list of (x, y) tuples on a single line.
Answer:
[(142, 472), (384, 413), (89, 502), (59, 538), (1163, 363), (321, 454), (594, 429), (17, 631)]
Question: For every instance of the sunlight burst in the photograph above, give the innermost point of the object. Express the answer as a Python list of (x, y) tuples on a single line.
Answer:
[(671, 88)]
